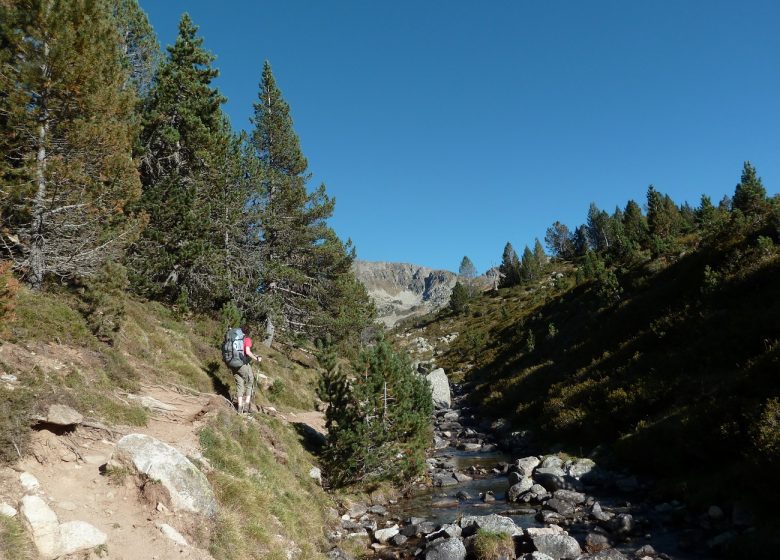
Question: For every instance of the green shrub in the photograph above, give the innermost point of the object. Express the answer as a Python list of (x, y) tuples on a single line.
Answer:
[(493, 546), (104, 301), (379, 423)]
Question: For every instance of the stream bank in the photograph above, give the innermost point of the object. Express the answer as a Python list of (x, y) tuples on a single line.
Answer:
[(550, 505)]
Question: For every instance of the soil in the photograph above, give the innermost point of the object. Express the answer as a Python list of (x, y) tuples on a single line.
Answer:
[(68, 467)]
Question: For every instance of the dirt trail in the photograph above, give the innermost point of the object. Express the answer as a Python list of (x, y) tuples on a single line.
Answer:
[(67, 467)]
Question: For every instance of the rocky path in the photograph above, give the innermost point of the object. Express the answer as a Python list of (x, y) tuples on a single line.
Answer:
[(65, 477)]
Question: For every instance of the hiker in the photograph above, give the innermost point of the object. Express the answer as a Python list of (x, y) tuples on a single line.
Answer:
[(237, 353)]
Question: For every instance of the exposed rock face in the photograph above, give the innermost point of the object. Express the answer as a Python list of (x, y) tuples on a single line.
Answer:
[(188, 487), (402, 290), (440, 388)]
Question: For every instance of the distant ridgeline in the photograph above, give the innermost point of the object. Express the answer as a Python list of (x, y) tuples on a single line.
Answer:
[(401, 290)]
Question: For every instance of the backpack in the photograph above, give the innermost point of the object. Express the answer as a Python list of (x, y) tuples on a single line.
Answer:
[(233, 349)]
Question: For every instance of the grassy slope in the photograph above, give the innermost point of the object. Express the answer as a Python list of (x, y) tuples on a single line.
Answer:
[(261, 470), (676, 381)]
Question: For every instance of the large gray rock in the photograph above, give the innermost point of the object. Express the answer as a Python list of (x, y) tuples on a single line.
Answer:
[(557, 546), (440, 388), (493, 523), (384, 535), (447, 549), (62, 415), (54, 539), (525, 466), (518, 489), (580, 467), (188, 487)]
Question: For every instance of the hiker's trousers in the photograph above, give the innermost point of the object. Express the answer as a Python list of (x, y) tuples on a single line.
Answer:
[(245, 379)]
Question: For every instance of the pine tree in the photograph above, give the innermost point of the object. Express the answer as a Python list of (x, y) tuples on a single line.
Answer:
[(663, 216), (750, 194), (379, 423), (138, 44), (467, 270), (509, 268), (539, 256), (559, 241), (529, 267), (459, 298), (66, 138), (182, 131), (304, 264), (580, 241), (635, 225), (598, 229)]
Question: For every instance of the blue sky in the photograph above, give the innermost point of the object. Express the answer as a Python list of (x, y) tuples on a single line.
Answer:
[(447, 128)]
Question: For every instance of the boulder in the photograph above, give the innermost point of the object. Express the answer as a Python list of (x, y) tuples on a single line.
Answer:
[(444, 479), (516, 490), (61, 415), (525, 466), (493, 523), (532, 532), (557, 547), (570, 496), (447, 549), (440, 388), (580, 467), (461, 477), (552, 461), (552, 481), (384, 535), (188, 487), (599, 514), (560, 506), (53, 539)]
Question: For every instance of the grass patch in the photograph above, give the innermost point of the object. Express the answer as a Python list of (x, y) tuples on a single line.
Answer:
[(264, 491), (493, 546), (14, 542)]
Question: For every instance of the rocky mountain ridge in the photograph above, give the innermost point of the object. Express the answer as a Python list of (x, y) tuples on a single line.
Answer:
[(403, 290)]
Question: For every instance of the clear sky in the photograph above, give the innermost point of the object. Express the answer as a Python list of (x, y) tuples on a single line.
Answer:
[(447, 128)]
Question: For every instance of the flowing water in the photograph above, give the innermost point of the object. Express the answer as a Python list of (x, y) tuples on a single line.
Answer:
[(442, 505)]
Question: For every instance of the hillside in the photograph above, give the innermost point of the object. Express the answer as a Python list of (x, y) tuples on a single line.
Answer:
[(675, 378), (163, 378)]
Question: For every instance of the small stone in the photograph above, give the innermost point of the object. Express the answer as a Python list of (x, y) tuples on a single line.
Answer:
[(29, 482), (715, 513), (398, 540), (62, 415), (596, 542), (646, 550), (67, 506), (6, 510), (172, 534), (557, 546), (316, 475)]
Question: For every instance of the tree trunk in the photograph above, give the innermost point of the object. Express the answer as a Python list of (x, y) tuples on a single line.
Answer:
[(37, 237)]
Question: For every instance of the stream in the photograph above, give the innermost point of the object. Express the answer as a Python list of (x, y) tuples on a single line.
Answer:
[(605, 513)]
